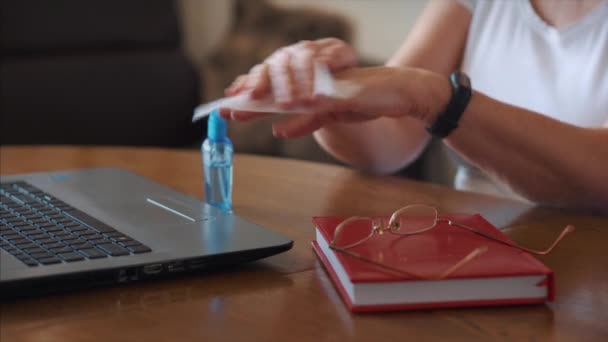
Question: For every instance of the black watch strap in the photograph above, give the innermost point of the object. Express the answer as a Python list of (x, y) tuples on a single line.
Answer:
[(461, 94)]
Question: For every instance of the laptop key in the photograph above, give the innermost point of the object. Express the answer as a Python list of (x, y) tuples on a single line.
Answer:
[(82, 246), (72, 256), (27, 246), (32, 231), (11, 250), (52, 229), (50, 260), (74, 241), (38, 221), (53, 245), (6, 231), (113, 249), (80, 230), (62, 235), (140, 249), (113, 234), (39, 236), (26, 212), (30, 262), (19, 223), (99, 241), (46, 241), (20, 255), (20, 241), (64, 221), (121, 239), (41, 255), (91, 237), (130, 243), (27, 228), (13, 219), (92, 253), (64, 249), (33, 250), (12, 236), (48, 225)]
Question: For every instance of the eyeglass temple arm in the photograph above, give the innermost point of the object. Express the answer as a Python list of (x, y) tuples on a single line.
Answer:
[(378, 264), (474, 254), (468, 258), (569, 229)]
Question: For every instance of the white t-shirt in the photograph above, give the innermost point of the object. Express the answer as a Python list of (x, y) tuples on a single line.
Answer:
[(513, 56)]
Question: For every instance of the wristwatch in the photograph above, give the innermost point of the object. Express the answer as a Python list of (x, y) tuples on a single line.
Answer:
[(461, 94)]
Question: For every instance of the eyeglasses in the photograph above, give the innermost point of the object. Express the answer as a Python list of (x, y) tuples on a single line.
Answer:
[(412, 220)]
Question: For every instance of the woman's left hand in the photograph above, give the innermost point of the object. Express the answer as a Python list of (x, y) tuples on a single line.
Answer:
[(384, 91)]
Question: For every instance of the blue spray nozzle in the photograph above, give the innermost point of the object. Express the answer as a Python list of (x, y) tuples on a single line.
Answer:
[(216, 127)]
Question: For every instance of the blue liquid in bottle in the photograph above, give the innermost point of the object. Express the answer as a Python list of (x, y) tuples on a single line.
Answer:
[(217, 164)]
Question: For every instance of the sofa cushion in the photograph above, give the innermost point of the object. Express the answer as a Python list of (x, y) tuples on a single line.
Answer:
[(128, 98), (65, 26)]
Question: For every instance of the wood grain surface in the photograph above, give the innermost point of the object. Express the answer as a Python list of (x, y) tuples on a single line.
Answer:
[(289, 297)]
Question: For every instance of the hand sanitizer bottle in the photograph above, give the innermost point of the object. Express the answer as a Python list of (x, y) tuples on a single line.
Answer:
[(217, 163)]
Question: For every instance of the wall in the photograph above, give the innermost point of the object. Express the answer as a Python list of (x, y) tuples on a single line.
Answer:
[(380, 25), (204, 22)]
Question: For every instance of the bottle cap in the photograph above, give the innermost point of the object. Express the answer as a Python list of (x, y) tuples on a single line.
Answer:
[(216, 126)]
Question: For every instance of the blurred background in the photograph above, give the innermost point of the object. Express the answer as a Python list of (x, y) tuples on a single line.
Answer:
[(130, 72)]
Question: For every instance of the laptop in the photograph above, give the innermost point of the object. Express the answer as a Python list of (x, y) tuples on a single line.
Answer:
[(61, 231)]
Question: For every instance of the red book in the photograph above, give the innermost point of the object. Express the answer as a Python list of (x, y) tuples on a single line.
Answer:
[(503, 275)]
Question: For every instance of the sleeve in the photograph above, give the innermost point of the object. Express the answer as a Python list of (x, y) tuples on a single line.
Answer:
[(469, 4)]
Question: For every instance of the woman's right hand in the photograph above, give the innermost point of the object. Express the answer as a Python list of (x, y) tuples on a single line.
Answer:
[(288, 74)]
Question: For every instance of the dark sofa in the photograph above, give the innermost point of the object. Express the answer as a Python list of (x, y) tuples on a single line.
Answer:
[(95, 72)]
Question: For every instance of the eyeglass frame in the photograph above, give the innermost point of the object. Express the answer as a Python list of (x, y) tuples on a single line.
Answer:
[(393, 227)]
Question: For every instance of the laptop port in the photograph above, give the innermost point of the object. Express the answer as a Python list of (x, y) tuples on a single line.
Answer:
[(177, 266), (127, 274), (197, 264), (152, 269)]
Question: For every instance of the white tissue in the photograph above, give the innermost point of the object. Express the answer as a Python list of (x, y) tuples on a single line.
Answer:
[(324, 84)]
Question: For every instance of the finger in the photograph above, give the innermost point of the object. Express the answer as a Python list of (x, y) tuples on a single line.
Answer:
[(239, 115), (304, 45), (299, 125), (303, 66), (259, 81), (327, 42), (320, 103), (237, 86), (282, 78), (337, 56), (226, 113)]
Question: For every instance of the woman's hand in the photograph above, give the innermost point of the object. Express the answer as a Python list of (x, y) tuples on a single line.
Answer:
[(288, 74), (383, 91)]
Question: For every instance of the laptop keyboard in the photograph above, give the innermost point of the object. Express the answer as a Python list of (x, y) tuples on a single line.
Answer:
[(39, 229)]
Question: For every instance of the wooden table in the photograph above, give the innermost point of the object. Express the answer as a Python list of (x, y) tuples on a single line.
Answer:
[(289, 296)]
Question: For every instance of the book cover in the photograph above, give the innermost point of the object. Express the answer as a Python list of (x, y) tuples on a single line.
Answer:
[(502, 275)]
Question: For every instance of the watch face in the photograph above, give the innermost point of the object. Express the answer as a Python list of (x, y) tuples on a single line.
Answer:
[(463, 80)]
